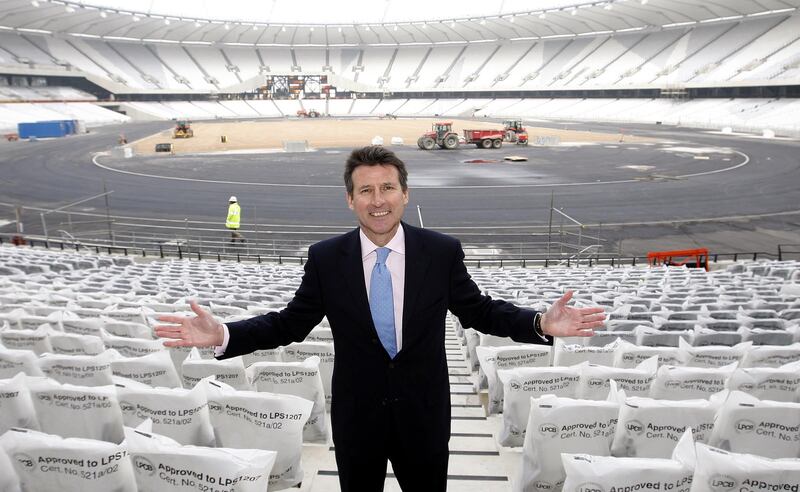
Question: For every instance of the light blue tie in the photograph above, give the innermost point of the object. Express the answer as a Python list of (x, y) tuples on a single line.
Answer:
[(381, 302)]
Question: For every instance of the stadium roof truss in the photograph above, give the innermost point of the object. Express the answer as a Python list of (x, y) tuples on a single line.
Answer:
[(388, 23)]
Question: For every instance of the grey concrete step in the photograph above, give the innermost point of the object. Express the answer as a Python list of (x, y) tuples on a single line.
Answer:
[(477, 463)]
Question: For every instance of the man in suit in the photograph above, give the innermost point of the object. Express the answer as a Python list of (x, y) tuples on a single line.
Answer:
[(385, 288)]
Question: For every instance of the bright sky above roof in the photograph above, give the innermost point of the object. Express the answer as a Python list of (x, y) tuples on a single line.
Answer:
[(330, 12)]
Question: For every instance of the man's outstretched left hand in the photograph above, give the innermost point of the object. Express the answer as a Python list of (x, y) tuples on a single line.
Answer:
[(567, 321)]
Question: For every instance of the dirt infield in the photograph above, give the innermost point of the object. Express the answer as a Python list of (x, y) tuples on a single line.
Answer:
[(331, 132)]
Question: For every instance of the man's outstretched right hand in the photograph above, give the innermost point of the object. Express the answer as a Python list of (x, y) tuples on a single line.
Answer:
[(202, 330)]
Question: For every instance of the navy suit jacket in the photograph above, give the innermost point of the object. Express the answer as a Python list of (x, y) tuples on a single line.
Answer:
[(370, 390)]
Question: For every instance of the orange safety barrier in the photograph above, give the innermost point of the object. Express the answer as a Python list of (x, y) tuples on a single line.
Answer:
[(693, 258)]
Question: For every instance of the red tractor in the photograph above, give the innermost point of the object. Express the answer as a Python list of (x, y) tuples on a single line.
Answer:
[(441, 134), (515, 132)]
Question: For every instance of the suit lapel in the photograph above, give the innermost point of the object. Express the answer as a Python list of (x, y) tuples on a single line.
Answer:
[(417, 261), (351, 269)]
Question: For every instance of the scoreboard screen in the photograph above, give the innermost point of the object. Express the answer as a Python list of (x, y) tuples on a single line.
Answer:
[(296, 86)]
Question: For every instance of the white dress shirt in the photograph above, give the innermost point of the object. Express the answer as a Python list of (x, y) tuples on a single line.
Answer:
[(396, 263)]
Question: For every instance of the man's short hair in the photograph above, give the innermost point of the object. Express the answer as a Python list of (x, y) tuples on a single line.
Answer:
[(373, 155)]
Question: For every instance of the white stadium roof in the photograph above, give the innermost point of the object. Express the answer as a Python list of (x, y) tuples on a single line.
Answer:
[(379, 23)]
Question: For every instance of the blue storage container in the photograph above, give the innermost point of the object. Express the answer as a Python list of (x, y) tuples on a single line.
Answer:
[(42, 129)]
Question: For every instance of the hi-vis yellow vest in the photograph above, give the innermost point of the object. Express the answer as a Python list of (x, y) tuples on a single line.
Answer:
[(234, 213)]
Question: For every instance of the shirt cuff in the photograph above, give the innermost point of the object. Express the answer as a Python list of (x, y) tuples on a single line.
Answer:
[(219, 351)]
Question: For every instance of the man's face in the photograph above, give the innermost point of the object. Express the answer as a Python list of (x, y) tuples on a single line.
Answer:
[(378, 201)]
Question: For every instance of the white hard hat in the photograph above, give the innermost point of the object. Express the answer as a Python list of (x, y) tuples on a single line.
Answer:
[(232, 199)]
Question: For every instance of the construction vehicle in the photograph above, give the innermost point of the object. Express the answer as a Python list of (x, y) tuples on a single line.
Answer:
[(312, 113), (486, 139), (515, 132), (441, 134), (183, 129)]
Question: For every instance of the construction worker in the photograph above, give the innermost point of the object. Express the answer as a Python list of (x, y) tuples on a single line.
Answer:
[(234, 216)]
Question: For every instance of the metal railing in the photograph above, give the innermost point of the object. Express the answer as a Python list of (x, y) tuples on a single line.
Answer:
[(563, 237), (788, 251), (608, 260), (179, 251), (564, 241), (164, 237)]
